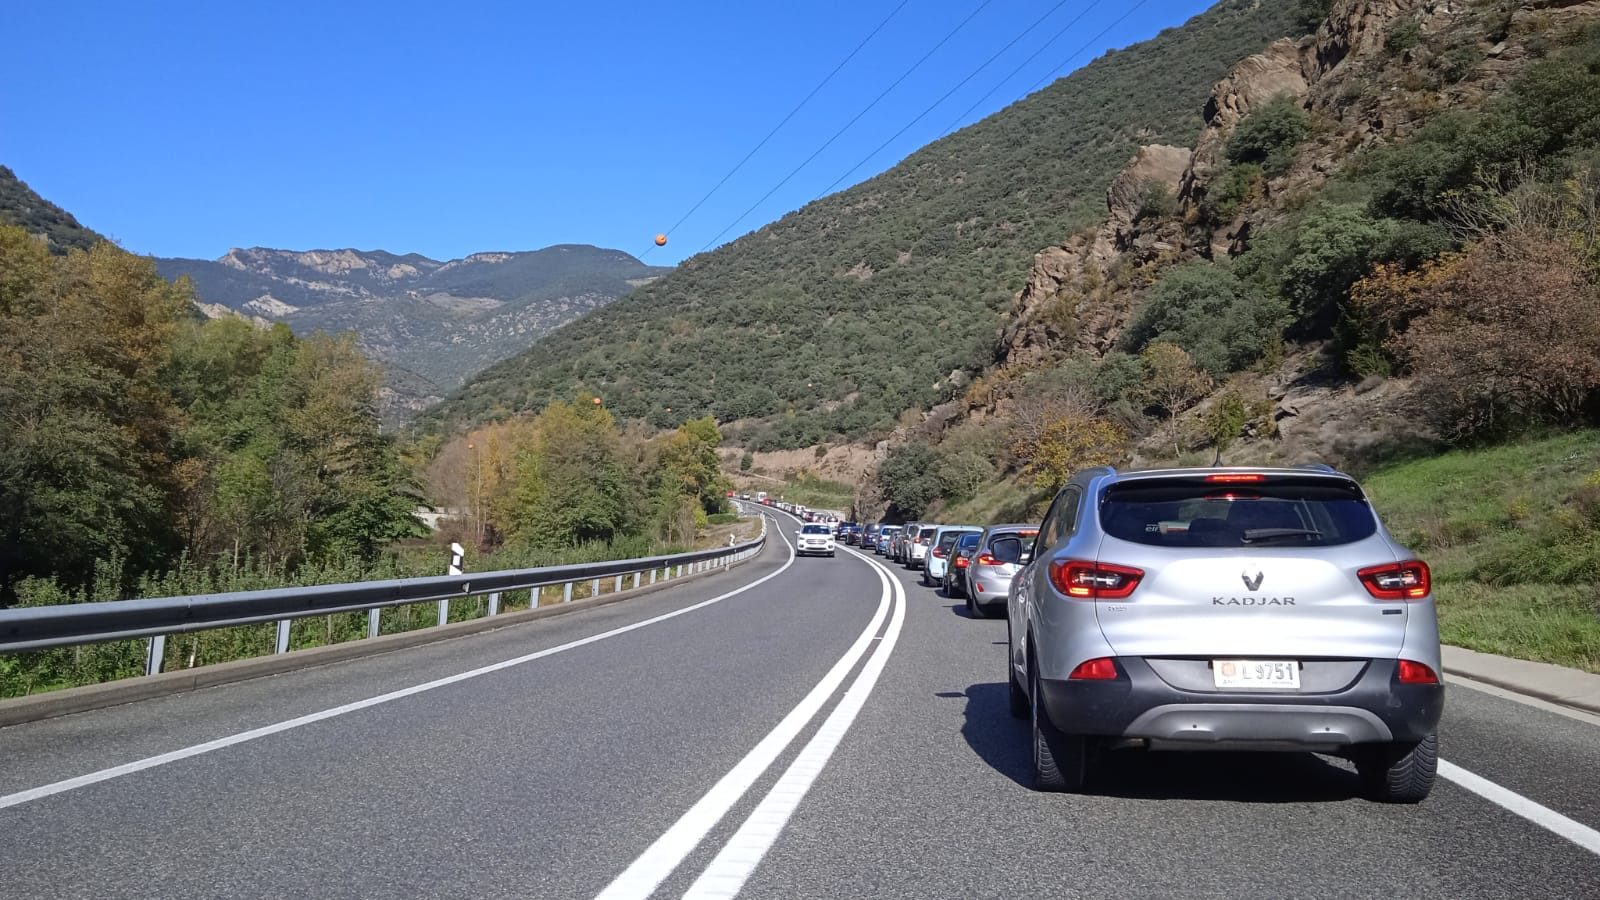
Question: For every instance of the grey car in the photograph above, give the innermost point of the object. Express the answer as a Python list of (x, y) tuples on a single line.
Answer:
[(1253, 609), (1001, 552)]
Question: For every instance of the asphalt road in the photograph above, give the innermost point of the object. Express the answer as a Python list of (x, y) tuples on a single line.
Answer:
[(834, 731)]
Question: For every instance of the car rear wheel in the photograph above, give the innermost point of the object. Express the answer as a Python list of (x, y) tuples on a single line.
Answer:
[(1400, 772), (1059, 759)]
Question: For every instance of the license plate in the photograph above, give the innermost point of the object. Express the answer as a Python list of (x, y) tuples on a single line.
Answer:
[(1256, 673)]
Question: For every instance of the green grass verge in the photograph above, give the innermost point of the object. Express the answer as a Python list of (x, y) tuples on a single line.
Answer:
[(1512, 534)]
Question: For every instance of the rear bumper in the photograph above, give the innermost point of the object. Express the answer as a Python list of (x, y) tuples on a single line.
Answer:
[(1138, 704)]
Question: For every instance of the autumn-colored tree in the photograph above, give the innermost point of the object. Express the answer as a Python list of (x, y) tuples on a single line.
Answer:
[(1504, 337), (1070, 444), (1172, 384)]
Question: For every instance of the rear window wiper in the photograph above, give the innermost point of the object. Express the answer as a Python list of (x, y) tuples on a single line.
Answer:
[(1271, 534)]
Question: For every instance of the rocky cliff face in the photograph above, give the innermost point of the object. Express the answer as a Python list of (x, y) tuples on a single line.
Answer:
[(1373, 73)]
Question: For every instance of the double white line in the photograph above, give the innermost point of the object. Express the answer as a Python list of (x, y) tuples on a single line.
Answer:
[(739, 857)]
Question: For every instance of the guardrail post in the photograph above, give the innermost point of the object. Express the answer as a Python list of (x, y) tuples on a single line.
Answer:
[(494, 604), (155, 653), (566, 593), (636, 580), (680, 570), (283, 636), (372, 622), (594, 588), (652, 576), (618, 587)]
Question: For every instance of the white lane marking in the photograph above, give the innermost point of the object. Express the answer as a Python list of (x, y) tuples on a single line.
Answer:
[(162, 759), (663, 857), (738, 859), (1543, 816)]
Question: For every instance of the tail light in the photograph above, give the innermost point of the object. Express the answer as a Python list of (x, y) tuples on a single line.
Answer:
[(985, 559), (1416, 673), (1084, 580), (962, 562), (1409, 580), (1102, 669), (938, 553)]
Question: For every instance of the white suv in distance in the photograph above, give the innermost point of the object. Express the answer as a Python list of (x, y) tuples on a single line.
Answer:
[(814, 538)]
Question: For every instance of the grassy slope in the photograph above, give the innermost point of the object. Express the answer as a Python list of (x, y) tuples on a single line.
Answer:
[(789, 318), (1516, 563)]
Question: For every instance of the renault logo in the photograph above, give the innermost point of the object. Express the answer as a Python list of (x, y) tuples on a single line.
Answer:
[(1252, 582)]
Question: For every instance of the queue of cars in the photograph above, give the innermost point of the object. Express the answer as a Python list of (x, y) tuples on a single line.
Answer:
[(1209, 608)]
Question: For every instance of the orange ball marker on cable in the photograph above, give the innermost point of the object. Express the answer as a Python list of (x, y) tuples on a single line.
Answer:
[(661, 240)]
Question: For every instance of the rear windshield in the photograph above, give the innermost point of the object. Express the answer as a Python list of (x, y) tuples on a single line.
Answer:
[(948, 539), (970, 539), (1277, 513)]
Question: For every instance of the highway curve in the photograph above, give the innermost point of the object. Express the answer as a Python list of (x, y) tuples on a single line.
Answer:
[(832, 731)]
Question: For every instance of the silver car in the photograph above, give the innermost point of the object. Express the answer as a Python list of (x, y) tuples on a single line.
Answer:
[(903, 541), (986, 581), (1256, 609)]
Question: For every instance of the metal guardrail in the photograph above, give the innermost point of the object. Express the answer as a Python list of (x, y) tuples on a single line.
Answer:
[(43, 627)]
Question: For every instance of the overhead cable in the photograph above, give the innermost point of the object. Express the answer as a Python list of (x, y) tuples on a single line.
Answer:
[(820, 85), (829, 142), (934, 105)]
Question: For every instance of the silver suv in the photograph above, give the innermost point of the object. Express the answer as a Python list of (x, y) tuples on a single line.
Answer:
[(1255, 609)]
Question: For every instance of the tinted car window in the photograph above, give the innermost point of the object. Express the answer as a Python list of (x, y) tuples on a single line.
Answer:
[(948, 540), (1286, 513), (969, 540)]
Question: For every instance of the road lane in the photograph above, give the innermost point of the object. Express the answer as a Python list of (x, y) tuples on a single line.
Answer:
[(538, 780), (929, 797)]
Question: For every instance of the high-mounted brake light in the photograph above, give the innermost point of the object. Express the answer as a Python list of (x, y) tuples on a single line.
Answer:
[(1102, 669), (1416, 673), (1235, 477), (1082, 580), (1409, 580)]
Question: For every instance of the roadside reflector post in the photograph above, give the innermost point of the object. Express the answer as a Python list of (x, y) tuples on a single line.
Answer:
[(155, 653), (457, 555), (283, 636)]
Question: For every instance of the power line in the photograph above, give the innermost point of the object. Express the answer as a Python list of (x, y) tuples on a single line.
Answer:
[(1035, 55), (820, 85), (829, 142), (1076, 53), (959, 85)]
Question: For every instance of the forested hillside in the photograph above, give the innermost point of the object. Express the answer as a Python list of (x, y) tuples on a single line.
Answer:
[(137, 437), (20, 206), (835, 319)]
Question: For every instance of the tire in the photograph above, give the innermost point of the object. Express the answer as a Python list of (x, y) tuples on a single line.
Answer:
[(1059, 760), (830, 555), (1018, 698), (972, 612), (926, 581), (1401, 772)]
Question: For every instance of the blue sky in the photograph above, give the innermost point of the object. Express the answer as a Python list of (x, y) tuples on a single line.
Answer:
[(184, 129)]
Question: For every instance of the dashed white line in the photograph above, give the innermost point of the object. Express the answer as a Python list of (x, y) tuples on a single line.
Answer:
[(1543, 816)]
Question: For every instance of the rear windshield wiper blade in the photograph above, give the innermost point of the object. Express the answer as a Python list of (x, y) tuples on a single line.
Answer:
[(1269, 534)]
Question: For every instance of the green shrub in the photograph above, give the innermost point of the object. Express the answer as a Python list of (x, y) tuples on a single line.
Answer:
[(722, 518), (1333, 248), (1224, 323), (1403, 36), (1269, 135)]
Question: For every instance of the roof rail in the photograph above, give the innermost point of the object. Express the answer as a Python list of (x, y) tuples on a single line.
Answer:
[(1319, 467)]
